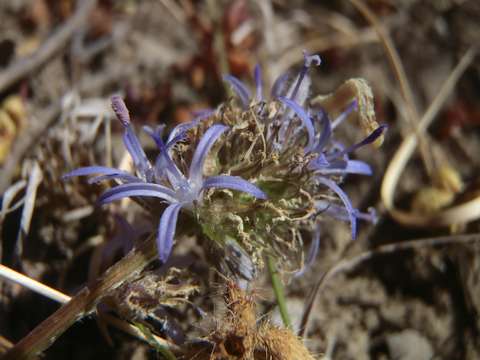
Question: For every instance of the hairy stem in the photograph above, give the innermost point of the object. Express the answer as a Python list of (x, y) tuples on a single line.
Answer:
[(84, 303), (278, 291)]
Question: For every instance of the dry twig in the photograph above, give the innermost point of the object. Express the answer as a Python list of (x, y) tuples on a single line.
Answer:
[(462, 213)]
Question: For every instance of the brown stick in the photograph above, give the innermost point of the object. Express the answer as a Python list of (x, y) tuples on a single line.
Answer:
[(59, 39), (83, 303)]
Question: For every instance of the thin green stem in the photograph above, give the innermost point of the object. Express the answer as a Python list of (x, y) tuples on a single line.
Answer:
[(278, 291)]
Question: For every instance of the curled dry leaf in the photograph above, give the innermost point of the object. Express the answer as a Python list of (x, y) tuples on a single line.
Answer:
[(351, 90)]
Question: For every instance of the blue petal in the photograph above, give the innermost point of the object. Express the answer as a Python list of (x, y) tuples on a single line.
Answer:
[(164, 165), (136, 152), (258, 82), (91, 170), (124, 177), (346, 202), (302, 114), (312, 252), (278, 88), (156, 134), (342, 167), (308, 60), (340, 118), (239, 88), (234, 183), (320, 162), (340, 213), (358, 167), (137, 189), (166, 231), (201, 152), (178, 133), (374, 135), (326, 133)]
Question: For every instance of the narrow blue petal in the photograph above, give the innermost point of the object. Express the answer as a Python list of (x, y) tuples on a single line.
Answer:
[(258, 82), (302, 114), (346, 202), (92, 170), (342, 167), (358, 167), (135, 150), (178, 133), (240, 89), (312, 252), (156, 134), (137, 189), (371, 216), (308, 60), (201, 152), (234, 183), (320, 162), (166, 231), (164, 165), (340, 118), (279, 86), (124, 177), (326, 133), (374, 135), (340, 213)]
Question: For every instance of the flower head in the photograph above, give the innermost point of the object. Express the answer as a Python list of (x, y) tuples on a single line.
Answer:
[(164, 180), (300, 149)]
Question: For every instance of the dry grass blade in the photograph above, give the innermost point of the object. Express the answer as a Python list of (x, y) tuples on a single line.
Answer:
[(6, 207), (35, 178), (29, 283), (393, 58), (399, 71), (352, 263), (458, 214), (8, 196)]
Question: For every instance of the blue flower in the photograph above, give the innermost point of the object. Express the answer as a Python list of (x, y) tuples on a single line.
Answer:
[(164, 180), (294, 125)]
